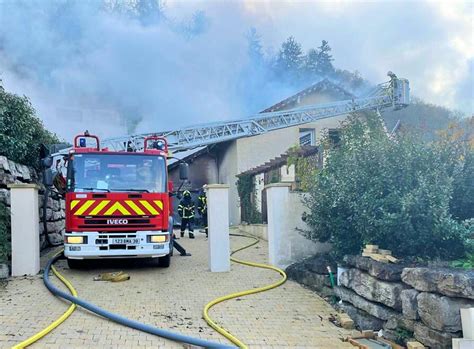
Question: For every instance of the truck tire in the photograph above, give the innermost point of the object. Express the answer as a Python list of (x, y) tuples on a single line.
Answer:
[(75, 263), (164, 262)]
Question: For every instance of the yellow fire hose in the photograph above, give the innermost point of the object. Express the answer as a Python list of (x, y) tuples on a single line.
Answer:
[(58, 321), (209, 305)]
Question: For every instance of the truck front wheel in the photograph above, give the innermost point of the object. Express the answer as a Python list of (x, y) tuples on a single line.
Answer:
[(75, 263), (164, 262)]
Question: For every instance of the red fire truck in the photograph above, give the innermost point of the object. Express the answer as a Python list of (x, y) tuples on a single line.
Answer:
[(117, 203)]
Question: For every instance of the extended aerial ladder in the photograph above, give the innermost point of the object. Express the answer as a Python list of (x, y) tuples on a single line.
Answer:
[(393, 94)]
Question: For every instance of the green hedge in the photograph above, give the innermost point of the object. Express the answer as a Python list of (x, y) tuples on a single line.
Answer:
[(21, 131), (391, 192)]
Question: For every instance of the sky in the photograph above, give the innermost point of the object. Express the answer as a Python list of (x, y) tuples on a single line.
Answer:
[(112, 74)]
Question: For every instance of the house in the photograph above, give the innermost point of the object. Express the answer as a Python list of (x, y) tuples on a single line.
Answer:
[(222, 162)]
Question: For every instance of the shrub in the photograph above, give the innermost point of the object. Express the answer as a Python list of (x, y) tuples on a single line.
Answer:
[(5, 247), (21, 131), (391, 192)]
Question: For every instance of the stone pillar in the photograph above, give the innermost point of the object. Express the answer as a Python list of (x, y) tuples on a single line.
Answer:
[(25, 229), (277, 216), (218, 223)]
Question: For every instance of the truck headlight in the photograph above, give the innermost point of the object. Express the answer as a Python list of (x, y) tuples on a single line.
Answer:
[(76, 240), (157, 238)]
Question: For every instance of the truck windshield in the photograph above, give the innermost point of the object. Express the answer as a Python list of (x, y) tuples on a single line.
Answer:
[(110, 172)]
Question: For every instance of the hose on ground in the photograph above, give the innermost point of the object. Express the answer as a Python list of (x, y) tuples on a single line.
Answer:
[(209, 305), (121, 319), (58, 321)]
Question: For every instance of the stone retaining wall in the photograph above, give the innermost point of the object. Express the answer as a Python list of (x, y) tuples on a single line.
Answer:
[(11, 172), (420, 302)]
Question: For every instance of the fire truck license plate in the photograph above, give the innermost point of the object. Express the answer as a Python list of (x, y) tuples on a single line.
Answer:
[(121, 241)]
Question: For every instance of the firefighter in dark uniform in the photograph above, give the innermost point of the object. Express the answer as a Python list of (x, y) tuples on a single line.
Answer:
[(202, 209), (186, 212)]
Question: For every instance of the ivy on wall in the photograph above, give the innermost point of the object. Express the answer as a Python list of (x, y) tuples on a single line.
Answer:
[(247, 195), (306, 168)]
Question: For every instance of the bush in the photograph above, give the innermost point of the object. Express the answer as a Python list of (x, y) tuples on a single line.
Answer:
[(391, 192), (5, 247), (21, 131)]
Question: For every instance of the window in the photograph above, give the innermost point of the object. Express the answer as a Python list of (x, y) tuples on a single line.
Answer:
[(307, 136)]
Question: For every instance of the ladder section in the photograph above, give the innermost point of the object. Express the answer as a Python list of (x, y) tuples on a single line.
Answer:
[(393, 94)]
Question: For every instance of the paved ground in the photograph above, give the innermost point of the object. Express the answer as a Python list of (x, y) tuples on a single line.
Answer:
[(173, 298)]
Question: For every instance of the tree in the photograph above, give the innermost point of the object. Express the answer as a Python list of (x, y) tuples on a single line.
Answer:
[(254, 47), (149, 12), (21, 131), (393, 193), (289, 60), (311, 64), (324, 65), (456, 142)]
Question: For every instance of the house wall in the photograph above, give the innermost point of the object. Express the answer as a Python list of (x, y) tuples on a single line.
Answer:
[(227, 159), (202, 170), (246, 153)]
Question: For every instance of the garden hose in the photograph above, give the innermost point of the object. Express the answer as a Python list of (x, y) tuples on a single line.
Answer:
[(57, 322), (121, 319), (209, 305)]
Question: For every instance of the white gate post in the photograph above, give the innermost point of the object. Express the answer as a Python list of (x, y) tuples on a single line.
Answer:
[(277, 213), (25, 229), (218, 223)]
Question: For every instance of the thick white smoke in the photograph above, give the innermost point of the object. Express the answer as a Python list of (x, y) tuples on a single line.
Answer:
[(86, 67)]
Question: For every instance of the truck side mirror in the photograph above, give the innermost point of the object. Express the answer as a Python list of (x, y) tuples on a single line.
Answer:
[(48, 177), (183, 171)]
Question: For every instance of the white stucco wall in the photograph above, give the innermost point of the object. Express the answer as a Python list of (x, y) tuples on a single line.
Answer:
[(286, 243), (288, 173), (298, 247), (227, 163), (259, 185)]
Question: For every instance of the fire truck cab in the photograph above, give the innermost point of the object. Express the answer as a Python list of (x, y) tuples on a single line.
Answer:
[(117, 203)]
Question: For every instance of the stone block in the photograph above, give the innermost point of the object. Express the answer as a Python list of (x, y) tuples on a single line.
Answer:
[(375, 309), (433, 338), (56, 238), (363, 320), (410, 304), (50, 203), (400, 322), (415, 345), (5, 196), (55, 227), (380, 270), (4, 271), (4, 165), (440, 312), (369, 287), (345, 321), (56, 205), (449, 282), (317, 282)]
